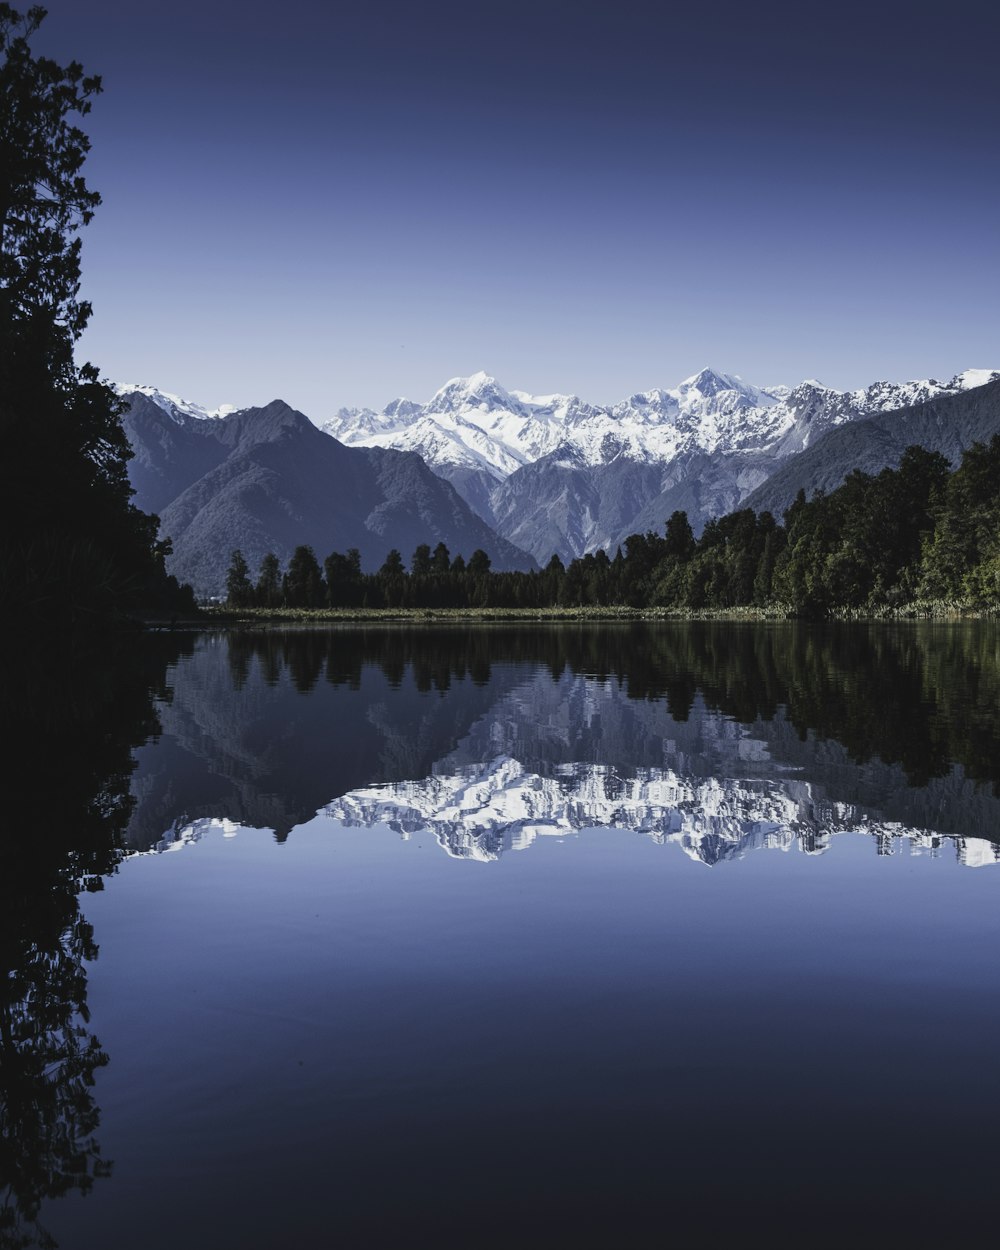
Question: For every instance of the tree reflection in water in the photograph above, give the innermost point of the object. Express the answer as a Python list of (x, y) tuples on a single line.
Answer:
[(921, 695), (76, 715), (924, 697)]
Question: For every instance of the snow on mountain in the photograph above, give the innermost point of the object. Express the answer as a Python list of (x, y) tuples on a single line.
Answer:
[(553, 473), (475, 423), (969, 379), (177, 409), (470, 422), (816, 408)]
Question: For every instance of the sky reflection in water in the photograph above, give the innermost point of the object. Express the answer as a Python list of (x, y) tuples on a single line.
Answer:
[(319, 1030)]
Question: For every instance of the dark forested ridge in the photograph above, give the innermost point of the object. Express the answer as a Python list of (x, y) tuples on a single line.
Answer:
[(267, 480), (74, 546), (905, 535), (949, 424)]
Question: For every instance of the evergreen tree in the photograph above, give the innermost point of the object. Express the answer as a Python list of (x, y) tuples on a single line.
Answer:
[(552, 579), (420, 564), (344, 587), (268, 589), (239, 589), (302, 585), (441, 561), (774, 542), (78, 544), (392, 579), (680, 537), (962, 555), (477, 579)]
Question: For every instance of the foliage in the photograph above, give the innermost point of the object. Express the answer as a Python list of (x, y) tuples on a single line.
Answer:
[(302, 585), (54, 414), (240, 592), (267, 592), (961, 557)]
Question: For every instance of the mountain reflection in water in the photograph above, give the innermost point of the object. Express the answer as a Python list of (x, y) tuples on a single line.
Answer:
[(483, 812), (339, 1016), (717, 737)]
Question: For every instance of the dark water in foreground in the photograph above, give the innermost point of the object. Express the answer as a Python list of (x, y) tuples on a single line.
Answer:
[(513, 936)]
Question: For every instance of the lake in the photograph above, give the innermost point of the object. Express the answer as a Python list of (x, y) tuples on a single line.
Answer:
[(505, 935)]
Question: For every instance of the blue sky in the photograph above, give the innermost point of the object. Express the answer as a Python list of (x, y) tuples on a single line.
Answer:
[(338, 204)]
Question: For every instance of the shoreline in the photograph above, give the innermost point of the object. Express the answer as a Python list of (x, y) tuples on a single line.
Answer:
[(227, 618)]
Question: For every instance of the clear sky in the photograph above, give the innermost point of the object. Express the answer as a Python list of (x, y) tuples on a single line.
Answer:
[(338, 203)]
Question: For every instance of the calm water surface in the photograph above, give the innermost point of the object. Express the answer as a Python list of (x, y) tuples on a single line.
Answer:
[(508, 937)]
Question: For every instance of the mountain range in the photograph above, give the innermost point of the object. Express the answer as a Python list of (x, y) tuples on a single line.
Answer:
[(555, 473), (520, 476)]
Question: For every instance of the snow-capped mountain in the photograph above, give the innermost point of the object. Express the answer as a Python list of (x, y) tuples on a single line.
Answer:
[(178, 409), (555, 473), (476, 423)]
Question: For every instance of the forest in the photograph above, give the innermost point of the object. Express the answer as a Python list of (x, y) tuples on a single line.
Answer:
[(919, 533)]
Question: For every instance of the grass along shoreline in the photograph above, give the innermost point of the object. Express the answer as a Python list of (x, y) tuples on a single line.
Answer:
[(925, 610)]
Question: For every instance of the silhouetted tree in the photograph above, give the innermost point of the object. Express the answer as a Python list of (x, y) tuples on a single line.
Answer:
[(239, 590), (420, 564), (344, 584), (441, 561), (477, 579), (392, 579), (268, 589), (302, 585), (680, 541), (77, 542)]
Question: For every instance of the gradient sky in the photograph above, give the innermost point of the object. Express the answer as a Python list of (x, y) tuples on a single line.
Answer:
[(340, 203)]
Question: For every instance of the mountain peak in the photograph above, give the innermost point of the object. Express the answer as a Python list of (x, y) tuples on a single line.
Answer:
[(477, 390), (710, 382), (968, 379), (174, 406)]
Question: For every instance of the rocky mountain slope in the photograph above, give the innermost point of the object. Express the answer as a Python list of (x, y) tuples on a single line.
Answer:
[(266, 479)]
